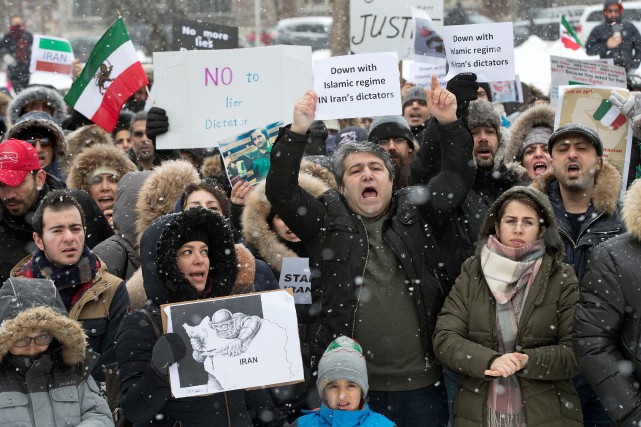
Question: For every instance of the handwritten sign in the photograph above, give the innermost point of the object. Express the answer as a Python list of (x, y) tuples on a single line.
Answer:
[(484, 49), (295, 275), (357, 86), (189, 35), (386, 25), (234, 343), (211, 95), (589, 105)]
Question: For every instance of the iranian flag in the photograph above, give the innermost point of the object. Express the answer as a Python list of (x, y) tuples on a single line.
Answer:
[(569, 39), (609, 115), (112, 74), (51, 55)]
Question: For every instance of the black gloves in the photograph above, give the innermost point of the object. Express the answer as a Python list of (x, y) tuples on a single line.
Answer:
[(157, 123), (465, 88), (169, 349)]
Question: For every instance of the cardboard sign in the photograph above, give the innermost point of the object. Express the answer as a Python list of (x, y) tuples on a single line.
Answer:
[(484, 49), (247, 156), (589, 105), (420, 73), (386, 25), (295, 275), (357, 86), (190, 35), (233, 343), (212, 95), (596, 72)]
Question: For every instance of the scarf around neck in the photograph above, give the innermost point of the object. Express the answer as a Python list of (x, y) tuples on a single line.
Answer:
[(509, 273)]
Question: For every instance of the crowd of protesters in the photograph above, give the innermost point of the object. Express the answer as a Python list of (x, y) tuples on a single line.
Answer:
[(466, 269)]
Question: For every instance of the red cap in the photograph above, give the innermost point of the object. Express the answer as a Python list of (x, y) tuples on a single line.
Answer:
[(17, 159)]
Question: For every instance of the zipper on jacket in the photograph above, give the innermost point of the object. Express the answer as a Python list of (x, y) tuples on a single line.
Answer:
[(358, 297), (575, 244), (227, 406)]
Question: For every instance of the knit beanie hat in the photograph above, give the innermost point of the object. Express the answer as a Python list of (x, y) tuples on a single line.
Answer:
[(576, 128), (482, 113), (351, 134), (415, 93), (538, 135), (384, 127), (343, 360)]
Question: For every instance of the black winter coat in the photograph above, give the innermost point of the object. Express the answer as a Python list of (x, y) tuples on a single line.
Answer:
[(627, 54), (338, 245)]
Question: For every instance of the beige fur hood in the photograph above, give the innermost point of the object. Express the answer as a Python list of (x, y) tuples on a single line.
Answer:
[(631, 211), (81, 138), (94, 157)]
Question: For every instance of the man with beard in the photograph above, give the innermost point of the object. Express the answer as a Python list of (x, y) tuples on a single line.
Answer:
[(258, 161), (393, 134), (615, 38), (15, 51), (22, 185), (142, 152), (584, 190)]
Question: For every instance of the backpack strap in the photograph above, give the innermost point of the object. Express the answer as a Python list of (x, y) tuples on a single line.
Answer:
[(153, 321)]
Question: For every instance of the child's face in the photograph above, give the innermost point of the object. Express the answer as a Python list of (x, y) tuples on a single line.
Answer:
[(343, 395)]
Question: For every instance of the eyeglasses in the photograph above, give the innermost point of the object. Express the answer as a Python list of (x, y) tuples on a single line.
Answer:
[(525, 224), (44, 142), (138, 133), (39, 340), (385, 142)]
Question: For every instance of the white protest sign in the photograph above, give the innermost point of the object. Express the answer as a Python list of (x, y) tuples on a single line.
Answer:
[(357, 86), (210, 95), (428, 42), (386, 25), (234, 343), (420, 73), (295, 274), (51, 55), (484, 49)]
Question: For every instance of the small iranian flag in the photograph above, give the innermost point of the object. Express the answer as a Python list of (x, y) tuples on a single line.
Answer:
[(51, 55), (569, 39), (609, 115), (112, 74)]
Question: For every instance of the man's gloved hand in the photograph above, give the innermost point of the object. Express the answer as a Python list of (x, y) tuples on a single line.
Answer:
[(157, 122), (631, 106), (169, 349), (465, 88)]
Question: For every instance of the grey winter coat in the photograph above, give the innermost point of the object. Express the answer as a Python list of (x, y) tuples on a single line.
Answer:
[(54, 388)]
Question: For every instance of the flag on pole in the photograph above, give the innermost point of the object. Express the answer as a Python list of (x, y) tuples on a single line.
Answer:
[(112, 74), (569, 39), (51, 55)]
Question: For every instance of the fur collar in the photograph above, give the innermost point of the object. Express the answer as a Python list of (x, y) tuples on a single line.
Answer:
[(538, 115), (606, 190), (631, 211), (94, 157), (80, 139)]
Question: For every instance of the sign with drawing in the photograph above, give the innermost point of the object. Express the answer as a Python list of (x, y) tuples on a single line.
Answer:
[(233, 343)]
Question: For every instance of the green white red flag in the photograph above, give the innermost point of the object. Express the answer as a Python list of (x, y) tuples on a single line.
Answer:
[(51, 55), (112, 74), (609, 115), (569, 39)]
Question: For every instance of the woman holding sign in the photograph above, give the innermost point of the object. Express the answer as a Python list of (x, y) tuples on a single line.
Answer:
[(184, 256)]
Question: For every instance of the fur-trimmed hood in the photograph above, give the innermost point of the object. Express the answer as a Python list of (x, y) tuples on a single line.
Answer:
[(94, 157), (163, 281), (37, 93), (161, 191), (81, 138), (212, 166), (38, 119), (606, 192), (35, 304), (553, 243), (631, 211), (313, 178), (482, 113), (536, 116)]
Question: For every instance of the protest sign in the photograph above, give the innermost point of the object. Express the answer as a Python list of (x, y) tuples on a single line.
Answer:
[(295, 275), (589, 105), (247, 156), (507, 91), (190, 35), (211, 95), (386, 25), (357, 86), (428, 42), (420, 73), (595, 72), (233, 343), (51, 55), (484, 49)]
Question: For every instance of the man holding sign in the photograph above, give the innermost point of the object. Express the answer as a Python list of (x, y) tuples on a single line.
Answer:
[(377, 274)]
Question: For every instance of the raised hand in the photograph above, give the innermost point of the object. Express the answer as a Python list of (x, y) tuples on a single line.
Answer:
[(304, 112), (441, 102)]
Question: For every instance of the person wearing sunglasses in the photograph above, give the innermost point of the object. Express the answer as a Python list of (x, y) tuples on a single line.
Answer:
[(43, 133), (44, 361), (142, 151)]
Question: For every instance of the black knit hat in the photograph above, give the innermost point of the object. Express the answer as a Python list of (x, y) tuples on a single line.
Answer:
[(576, 128), (384, 127)]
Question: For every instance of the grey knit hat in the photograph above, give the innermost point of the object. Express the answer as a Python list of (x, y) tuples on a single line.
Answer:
[(576, 128), (538, 135), (343, 360), (384, 127), (415, 93), (482, 113)]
